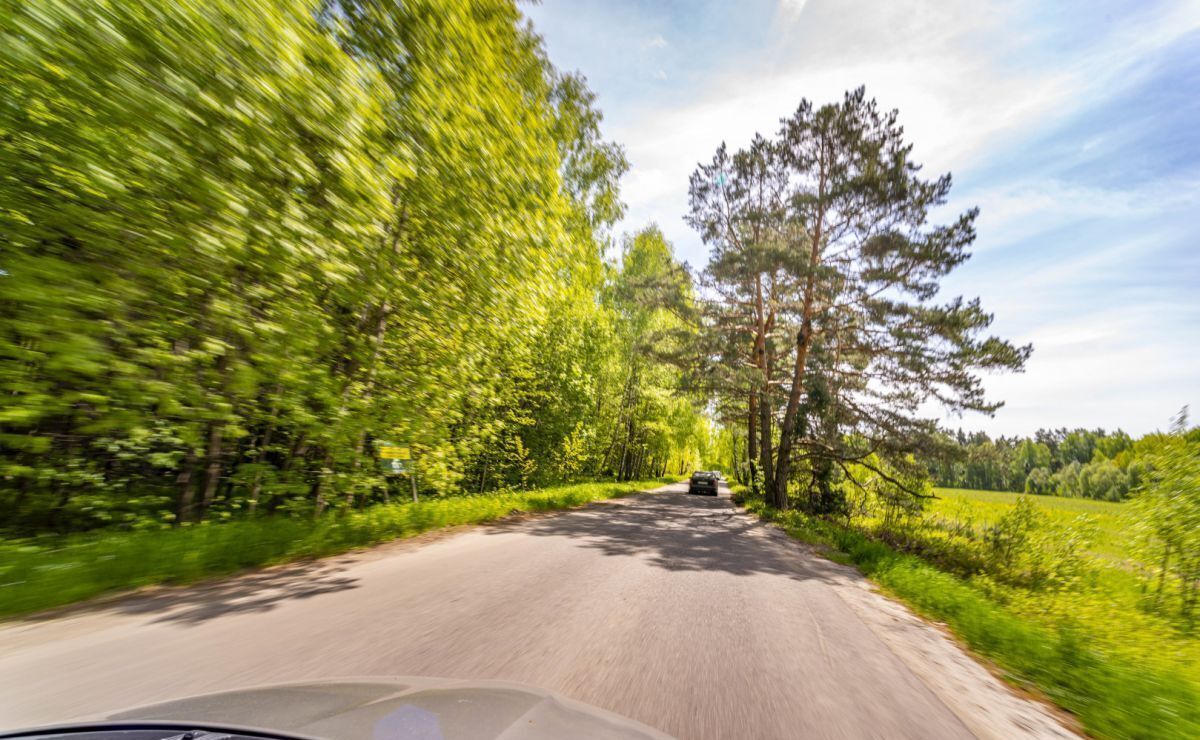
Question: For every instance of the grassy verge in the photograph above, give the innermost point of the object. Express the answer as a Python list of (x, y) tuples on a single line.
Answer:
[(40, 575), (986, 507), (1113, 696)]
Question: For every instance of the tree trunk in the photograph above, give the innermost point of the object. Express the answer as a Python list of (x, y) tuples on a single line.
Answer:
[(319, 491), (622, 473), (787, 432), (213, 471), (612, 445), (256, 487), (359, 449), (64, 497), (299, 449), (734, 467), (187, 493), (752, 442), (764, 447), (23, 494), (764, 400)]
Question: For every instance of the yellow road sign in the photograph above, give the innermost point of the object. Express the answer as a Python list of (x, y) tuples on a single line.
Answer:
[(394, 452)]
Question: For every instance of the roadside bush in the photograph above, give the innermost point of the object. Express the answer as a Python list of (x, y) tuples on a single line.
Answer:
[(1166, 517), (1026, 548)]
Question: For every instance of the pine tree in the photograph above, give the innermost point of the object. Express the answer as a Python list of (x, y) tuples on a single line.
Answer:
[(823, 231)]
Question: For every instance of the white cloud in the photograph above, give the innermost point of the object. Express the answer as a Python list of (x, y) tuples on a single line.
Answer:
[(792, 8), (945, 66), (658, 42), (970, 80), (1105, 368), (645, 185), (950, 102), (1018, 210)]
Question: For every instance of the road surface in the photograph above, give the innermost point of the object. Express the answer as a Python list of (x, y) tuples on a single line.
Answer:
[(674, 610)]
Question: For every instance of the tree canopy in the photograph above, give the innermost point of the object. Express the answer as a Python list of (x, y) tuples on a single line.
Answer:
[(244, 244), (824, 279)]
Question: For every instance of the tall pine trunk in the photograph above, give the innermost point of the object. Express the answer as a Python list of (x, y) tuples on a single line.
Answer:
[(752, 442), (764, 398), (787, 432)]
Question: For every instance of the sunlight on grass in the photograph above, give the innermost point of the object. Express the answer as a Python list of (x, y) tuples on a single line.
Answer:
[(40, 574), (988, 506), (1092, 644)]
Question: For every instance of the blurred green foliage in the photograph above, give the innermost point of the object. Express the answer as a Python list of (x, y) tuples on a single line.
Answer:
[(241, 242)]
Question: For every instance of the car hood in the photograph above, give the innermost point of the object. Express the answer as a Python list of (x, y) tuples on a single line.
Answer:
[(397, 709)]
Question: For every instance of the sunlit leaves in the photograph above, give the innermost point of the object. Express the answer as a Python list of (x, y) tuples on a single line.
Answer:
[(274, 232)]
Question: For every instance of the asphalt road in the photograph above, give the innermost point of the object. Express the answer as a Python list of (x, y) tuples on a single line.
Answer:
[(674, 610)]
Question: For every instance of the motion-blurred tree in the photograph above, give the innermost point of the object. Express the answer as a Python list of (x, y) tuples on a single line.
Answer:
[(244, 242), (1167, 514)]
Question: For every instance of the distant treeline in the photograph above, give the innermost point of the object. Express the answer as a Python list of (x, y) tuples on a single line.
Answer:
[(1081, 463)]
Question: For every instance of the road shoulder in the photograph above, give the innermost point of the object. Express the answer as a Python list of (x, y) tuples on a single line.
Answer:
[(968, 686)]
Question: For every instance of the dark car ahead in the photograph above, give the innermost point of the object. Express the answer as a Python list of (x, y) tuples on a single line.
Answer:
[(703, 483)]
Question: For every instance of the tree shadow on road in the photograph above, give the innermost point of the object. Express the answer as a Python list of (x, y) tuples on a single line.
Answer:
[(259, 591), (673, 531), (679, 532)]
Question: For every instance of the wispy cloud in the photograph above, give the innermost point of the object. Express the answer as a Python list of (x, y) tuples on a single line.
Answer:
[(1064, 122), (658, 42), (792, 8), (1023, 209)]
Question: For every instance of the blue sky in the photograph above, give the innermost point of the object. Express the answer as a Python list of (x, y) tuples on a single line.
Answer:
[(1074, 126)]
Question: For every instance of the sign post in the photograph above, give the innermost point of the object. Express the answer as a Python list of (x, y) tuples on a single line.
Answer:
[(397, 459)]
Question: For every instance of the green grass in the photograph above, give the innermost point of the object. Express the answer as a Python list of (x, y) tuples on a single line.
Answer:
[(1054, 503), (1107, 517), (38, 575), (1112, 604), (1070, 645)]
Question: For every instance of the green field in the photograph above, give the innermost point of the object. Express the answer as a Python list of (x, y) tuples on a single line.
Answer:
[(1053, 503), (1109, 603), (986, 507), (1108, 600)]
